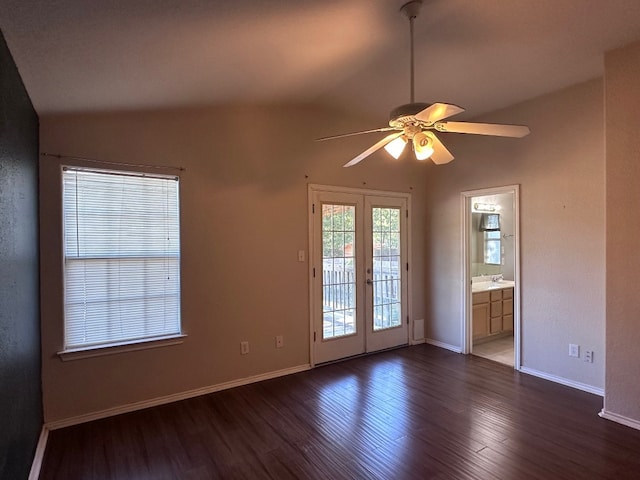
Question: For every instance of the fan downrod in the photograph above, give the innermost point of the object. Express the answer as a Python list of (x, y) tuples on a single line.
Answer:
[(411, 10)]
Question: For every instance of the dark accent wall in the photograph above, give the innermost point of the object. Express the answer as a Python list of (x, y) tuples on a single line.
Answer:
[(20, 380)]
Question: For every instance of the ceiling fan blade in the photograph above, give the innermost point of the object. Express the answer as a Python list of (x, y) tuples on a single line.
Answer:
[(438, 111), (382, 129), (515, 131), (373, 148), (440, 154)]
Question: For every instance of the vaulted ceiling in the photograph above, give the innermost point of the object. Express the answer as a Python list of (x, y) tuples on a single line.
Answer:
[(103, 55)]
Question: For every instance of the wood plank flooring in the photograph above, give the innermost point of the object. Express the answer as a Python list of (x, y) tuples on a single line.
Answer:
[(417, 412)]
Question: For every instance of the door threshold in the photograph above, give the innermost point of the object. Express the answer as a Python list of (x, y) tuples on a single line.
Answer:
[(359, 355)]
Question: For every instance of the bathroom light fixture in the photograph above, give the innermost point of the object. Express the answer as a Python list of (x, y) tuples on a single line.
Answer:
[(484, 207)]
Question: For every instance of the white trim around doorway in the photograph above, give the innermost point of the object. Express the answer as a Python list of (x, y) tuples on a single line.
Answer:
[(465, 206)]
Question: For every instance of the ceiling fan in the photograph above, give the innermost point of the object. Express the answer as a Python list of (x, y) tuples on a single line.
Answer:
[(415, 122)]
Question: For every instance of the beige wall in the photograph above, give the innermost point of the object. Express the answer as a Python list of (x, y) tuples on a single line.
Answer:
[(560, 168), (622, 96), (244, 218), (244, 197)]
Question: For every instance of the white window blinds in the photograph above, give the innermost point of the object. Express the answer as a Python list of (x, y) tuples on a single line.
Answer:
[(121, 257)]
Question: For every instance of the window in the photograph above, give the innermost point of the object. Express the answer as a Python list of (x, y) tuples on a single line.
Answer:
[(121, 257), (492, 254)]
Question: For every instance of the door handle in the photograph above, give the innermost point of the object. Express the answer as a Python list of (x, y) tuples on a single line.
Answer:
[(369, 281)]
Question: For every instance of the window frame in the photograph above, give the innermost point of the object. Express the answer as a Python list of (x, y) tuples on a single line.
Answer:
[(133, 343)]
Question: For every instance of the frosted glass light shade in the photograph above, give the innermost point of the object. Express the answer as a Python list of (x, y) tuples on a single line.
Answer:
[(422, 145), (396, 146)]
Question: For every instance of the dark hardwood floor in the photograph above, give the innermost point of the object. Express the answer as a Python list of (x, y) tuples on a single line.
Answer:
[(417, 412)]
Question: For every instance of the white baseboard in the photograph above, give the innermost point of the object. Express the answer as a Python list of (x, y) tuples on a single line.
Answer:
[(36, 465), (614, 417), (436, 343), (563, 381), (67, 422)]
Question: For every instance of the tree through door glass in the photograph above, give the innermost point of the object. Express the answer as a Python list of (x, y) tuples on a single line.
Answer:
[(338, 271), (386, 275)]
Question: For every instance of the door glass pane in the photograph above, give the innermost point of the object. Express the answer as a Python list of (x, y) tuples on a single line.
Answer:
[(387, 294), (338, 271)]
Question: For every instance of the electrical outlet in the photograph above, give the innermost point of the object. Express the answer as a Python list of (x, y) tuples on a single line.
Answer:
[(574, 350), (588, 356), (279, 341), (244, 348)]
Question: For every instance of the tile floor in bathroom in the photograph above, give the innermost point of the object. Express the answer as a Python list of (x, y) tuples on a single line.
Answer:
[(499, 350)]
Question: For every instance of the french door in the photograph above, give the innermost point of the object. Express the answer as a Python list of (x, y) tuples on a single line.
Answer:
[(359, 272)]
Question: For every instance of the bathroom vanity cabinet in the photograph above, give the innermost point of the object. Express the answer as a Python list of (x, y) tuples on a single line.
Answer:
[(492, 312)]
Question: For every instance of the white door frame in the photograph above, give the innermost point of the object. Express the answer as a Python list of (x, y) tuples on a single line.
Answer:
[(465, 204), (311, 190)]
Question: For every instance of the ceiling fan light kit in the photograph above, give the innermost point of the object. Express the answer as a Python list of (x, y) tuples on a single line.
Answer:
[(414, 122), (396, 147), (423, 145)]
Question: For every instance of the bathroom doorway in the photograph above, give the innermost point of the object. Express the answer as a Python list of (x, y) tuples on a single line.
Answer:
[(490, 232)]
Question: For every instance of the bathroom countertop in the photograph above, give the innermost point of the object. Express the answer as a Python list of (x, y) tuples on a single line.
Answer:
[(486, 286)]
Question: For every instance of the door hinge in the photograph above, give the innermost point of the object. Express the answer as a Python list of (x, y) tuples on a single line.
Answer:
[(407, 266), (407, 319), (313, 208), (407, 213), (314, 272), (314, 336)]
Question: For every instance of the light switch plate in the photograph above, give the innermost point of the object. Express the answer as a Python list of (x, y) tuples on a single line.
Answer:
[(574, 350)]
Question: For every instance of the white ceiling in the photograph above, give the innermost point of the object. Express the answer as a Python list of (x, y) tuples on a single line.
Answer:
[(95, 55)]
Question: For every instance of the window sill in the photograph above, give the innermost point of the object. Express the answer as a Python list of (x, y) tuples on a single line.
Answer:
[(122, 347)]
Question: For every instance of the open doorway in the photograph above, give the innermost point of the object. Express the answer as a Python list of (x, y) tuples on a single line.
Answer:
[(491, 326)]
